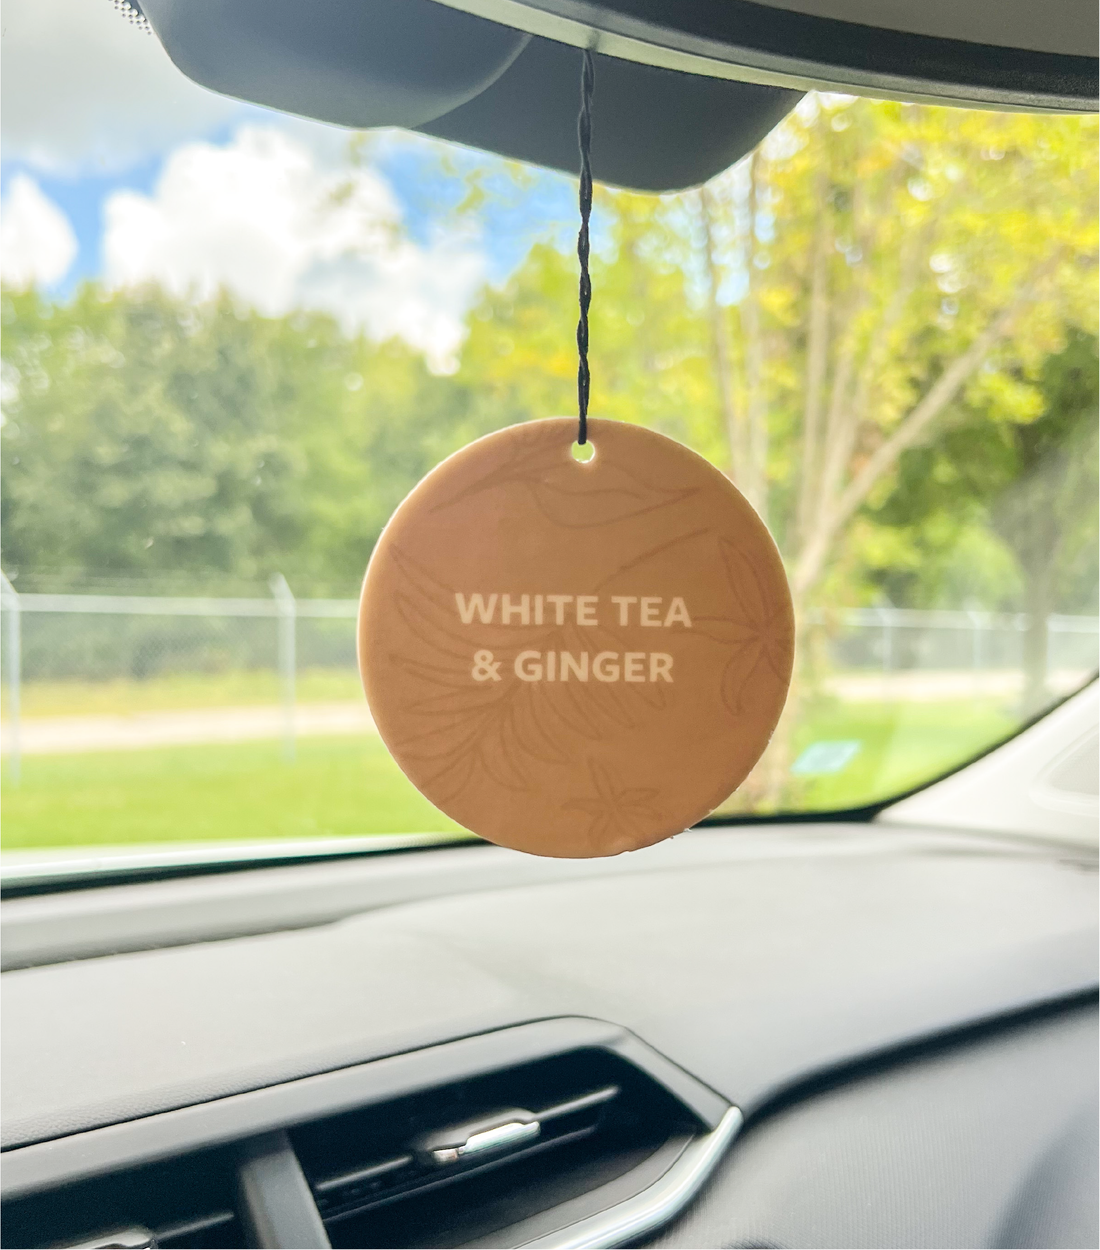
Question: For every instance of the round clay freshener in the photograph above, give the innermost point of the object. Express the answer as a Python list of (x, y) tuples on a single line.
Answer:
[(574, 658)]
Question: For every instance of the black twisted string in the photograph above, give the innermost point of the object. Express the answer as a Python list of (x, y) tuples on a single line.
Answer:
[(584, 141)]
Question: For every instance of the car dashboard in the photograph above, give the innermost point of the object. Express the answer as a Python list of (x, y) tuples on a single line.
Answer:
[(804, 1034)]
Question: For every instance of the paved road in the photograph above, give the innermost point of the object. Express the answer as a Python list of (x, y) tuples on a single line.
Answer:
[(59, 735)]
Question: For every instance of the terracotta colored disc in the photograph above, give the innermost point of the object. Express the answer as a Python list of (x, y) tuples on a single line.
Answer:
[(573, 658)]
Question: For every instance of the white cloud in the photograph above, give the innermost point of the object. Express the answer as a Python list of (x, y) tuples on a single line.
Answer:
[(84, 89), (283, 227), (37, 243)]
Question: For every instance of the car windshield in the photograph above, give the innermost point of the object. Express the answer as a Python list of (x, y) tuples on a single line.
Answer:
[(233, 340)]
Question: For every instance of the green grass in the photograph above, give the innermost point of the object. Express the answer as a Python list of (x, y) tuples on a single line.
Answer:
[(902, 745), (336, 787), (242, 688), (351, 786)]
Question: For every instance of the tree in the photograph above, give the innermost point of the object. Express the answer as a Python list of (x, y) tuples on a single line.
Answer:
[(146, 435), (1051, 487), (834, 302), (893, 261), (134, 441), (649, 345), (1031, 485), (863, 310)]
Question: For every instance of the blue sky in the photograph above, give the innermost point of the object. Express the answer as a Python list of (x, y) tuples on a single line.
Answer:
[(80, 197), (117, 167), (428, 195)]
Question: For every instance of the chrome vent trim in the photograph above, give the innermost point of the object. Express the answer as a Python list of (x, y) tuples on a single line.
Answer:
[(654, 1206), (613, 1193)]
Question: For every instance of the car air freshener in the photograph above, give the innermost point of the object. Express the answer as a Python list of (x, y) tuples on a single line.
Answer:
[(576, 657)]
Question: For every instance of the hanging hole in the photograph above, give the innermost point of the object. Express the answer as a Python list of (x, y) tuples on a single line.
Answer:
[(583, 452)]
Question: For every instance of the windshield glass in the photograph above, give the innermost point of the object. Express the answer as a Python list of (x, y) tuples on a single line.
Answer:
[(233, 340)]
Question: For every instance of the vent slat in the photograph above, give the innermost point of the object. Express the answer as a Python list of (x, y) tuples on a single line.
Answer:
[(359, 1175), (585, 1102), (188, 1229), (493, 1158), (450, 1164)]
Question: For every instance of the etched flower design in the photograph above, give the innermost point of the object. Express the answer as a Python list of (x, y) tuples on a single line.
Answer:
[(614, 810), (459, 730), (760, 634), (560, 487)]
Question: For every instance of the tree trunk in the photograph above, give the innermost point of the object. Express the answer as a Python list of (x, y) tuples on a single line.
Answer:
[(719, 341), (817, 348), (1027, 520), (834, 514), (1038, 597), (754, 479)]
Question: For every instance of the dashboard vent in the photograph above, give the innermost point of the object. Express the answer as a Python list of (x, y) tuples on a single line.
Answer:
[(551, 1134), (186, 1202), (480, 1161)]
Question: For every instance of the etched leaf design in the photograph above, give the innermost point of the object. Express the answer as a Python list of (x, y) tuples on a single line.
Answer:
[(563, 500), (501, 726), (560, 492), (758, 633), (614, 810)]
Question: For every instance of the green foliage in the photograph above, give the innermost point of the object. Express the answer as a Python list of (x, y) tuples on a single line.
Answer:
[(992, 500), (934, 260), (882, 325), (147, 435), (792, 323)]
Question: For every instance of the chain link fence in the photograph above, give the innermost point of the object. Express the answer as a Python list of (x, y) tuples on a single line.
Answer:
[(901, 639), (105, 638), (872, 652)]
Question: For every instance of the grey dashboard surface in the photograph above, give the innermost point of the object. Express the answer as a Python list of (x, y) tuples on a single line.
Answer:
[(750, 958), (992, 1143)]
